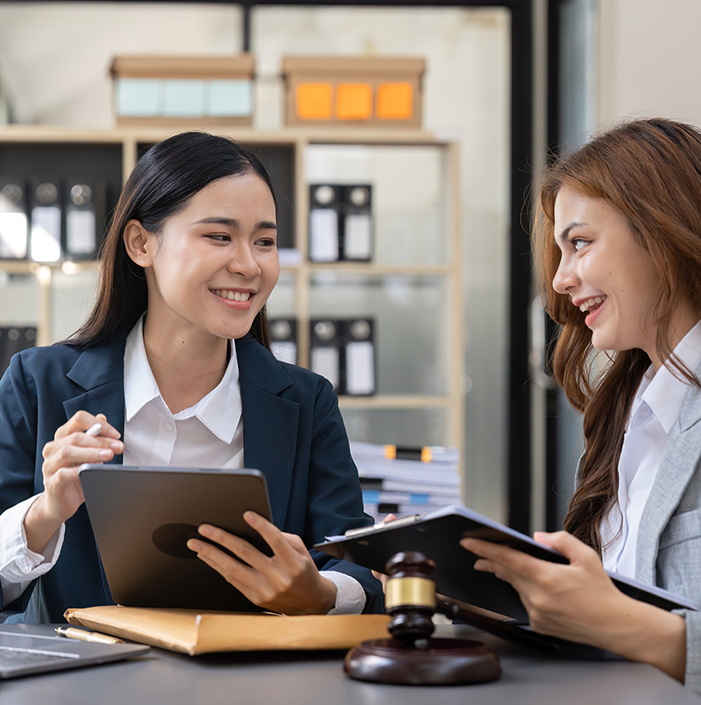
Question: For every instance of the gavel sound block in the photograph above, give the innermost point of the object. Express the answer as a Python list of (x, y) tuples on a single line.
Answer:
[(412, 657)]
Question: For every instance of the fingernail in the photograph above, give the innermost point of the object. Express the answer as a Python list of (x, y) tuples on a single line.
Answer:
[(116, 446), (205, 530), (115, 433), (105, 454), (194, 545)]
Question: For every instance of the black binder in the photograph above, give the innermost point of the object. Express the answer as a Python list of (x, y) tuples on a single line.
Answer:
[(324, 223), (14, 221), (45, 221), (357, 228), (359, 357), (340, 222), (326, 344), (283, 339), (12, 340), (84, 212)]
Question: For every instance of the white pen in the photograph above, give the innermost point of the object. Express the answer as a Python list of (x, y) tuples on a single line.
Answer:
[(94, 430), (83, 635)]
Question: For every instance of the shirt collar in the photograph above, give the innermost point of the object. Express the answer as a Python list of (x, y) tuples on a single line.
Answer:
[(139, 383), (140, 388), (665, 393)]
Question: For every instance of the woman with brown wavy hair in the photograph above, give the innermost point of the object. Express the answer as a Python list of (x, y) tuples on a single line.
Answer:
[(618, 249)]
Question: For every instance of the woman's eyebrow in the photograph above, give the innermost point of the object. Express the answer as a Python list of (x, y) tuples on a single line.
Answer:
[(219, 220), (233, 223), (564, 233)]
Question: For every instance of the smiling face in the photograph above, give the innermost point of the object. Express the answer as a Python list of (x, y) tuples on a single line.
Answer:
[(606, 273), (213, 266)]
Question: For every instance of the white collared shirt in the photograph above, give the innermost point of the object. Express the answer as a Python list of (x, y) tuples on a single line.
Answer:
[(655, 409), (200, 436)]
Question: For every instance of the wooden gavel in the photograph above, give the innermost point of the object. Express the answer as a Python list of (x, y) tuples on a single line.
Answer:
[(412, 656)]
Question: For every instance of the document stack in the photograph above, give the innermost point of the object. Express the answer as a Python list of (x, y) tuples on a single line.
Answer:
[(406, 480)]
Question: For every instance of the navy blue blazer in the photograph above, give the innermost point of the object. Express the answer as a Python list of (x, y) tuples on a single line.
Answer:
[(293, 433)]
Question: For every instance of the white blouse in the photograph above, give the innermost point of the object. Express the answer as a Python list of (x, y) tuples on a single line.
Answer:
[(656, 407)]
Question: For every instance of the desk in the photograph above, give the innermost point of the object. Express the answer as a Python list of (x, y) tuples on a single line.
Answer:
[(317, 678)]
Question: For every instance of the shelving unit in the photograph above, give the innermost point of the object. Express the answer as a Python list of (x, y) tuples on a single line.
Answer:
[(401, 290)]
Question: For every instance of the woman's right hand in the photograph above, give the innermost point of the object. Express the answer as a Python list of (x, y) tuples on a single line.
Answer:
[(62, 494)]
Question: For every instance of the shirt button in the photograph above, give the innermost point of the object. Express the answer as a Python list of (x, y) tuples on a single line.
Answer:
[(644, 412), (168, 426)]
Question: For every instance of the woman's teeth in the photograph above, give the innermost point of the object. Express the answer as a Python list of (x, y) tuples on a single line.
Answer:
[(590, 303), (232, 295)]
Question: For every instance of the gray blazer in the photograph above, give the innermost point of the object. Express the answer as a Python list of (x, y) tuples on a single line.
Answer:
[(668, 553)]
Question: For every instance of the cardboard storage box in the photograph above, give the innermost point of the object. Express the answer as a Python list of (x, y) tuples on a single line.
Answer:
[(183, 90), (343, 91)]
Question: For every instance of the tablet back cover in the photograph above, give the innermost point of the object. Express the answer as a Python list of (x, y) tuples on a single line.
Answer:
[(143, 517), (438, 534)]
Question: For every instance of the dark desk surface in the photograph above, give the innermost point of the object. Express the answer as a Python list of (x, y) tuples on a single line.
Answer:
[(317, 678)]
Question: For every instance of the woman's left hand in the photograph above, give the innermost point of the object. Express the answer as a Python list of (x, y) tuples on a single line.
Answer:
[(576, 601), (287, 582), (579, 602)]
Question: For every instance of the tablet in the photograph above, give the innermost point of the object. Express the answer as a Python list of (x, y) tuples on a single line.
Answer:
[(437, 534), (142, 518)]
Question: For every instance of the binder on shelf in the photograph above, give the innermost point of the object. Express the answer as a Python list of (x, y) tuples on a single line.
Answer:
[(84, 209), (283, 339), (325, 350), (340, 222), (12, 340), (359, 357), (324, 223), (45, 221), (14, 224), (357, 226)]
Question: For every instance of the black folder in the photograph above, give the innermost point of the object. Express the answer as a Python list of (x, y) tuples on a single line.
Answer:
[(14, 221), (437, 534), (84, 211)]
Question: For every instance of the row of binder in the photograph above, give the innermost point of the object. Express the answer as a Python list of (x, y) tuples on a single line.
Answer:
[(342, 350), (46, 220), (12, 340), (340, 222)]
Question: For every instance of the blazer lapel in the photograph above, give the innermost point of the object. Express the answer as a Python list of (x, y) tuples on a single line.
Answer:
[(269, 422), (677, 466), (100, 372)]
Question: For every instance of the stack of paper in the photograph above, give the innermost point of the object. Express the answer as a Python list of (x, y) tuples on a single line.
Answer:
[(407, 480)]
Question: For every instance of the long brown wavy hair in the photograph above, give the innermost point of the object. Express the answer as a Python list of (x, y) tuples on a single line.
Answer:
[(650, 171)]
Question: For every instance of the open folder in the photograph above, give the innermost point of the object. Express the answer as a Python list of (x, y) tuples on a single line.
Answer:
[(437, 534)]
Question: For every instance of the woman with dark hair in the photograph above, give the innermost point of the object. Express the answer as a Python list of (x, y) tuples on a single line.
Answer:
[(172, 368), (618, 247)]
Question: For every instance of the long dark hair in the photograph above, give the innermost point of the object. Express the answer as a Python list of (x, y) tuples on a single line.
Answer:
[(163, 181), (650, 171)]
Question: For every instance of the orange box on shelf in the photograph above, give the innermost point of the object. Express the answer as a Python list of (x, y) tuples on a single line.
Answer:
[(340, 90), (183, 90)]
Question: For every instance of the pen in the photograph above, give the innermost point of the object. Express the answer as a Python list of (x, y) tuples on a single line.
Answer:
[(83, 635), (94, 430)]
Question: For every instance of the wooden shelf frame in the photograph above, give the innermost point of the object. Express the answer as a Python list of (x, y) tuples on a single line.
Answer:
[(298, 140)]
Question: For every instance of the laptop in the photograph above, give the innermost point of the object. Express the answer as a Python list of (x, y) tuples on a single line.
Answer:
[(142, 518), (27, 649)]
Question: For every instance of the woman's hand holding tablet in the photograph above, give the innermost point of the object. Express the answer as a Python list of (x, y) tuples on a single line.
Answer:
[(287, 582)]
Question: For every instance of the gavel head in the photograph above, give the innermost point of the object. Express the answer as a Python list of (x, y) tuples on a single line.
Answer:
[(410, 595)]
